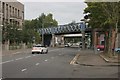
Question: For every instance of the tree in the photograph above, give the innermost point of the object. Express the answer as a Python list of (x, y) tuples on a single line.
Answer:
[(31, 27), (12, 34), (104, 15), (112, 11), (47, 20)]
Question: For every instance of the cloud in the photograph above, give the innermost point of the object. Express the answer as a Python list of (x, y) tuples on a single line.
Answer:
[(51, 0), (63, 12)]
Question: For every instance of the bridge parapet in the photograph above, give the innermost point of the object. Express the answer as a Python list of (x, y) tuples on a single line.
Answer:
[(63, 29)]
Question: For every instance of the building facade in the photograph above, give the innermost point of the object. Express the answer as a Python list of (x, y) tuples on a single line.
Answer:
[(12, 13)]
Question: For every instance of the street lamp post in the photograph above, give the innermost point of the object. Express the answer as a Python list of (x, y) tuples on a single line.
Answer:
[(83, 35), (42, 33), (85, 20)]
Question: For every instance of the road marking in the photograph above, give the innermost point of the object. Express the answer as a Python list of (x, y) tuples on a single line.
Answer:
[(60, 54), (37, 64), (6, 61), (75, 59), (23, 70), (54, 50), (16, 53), (46, 60), (34, 55), (28, 57), (1, 78), (18, 58), (52, 57)]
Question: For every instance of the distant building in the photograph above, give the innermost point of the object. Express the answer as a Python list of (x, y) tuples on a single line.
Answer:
[(12, 13)]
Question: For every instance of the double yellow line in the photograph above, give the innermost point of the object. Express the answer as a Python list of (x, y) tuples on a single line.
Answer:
[(75, 59)]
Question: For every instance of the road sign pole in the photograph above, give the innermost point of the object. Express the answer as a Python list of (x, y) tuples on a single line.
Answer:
[(42, 34), (83, 35), (83, 39)]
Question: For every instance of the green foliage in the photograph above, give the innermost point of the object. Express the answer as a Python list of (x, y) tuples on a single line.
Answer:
[(12, 33), (30, 29), (96, 16), (103, 14), (29, 33)]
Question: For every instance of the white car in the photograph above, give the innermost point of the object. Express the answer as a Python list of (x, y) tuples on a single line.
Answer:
[(39, 49), (68, 44)]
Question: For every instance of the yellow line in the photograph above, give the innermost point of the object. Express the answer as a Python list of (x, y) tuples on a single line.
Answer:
[(75, 59)]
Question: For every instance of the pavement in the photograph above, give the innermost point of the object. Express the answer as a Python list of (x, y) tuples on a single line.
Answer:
[(86, 57), (55, 64), (114, 59), (17, 51), (89, 58)]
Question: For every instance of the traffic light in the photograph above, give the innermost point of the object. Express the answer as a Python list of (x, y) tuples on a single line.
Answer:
[(86, 17)]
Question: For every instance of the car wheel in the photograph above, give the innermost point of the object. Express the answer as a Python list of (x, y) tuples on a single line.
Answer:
[(42, 52), (46, 51), (118, 51), (32, 52), (38, 53)]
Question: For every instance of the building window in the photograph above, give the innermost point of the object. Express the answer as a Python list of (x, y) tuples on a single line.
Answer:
[(3, 6), (13, 11), (7, 11), (6, 6), (18, 13), (10, 9), (22, 14)]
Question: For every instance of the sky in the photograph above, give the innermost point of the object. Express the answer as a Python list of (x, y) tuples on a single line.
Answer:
[(63, 11)]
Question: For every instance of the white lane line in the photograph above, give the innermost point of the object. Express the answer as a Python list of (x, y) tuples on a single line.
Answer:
[(60, 54), (18, 58), (46, 60), (34, 55), (52, 57), (23, 70), (54, 50), (6, 61), (16, 53), (1, 78), (28, 57), (37, 64)]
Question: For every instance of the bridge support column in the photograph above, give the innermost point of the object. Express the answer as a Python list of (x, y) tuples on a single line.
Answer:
[(53, 40), (62, 40), (83, 40)]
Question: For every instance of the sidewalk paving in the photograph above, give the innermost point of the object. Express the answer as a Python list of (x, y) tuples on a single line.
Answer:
[(89, 58), (114, 59), (8, 52)]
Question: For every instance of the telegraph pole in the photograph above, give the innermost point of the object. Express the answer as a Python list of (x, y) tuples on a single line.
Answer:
[(83, 26), (42, 34), (83, 35)]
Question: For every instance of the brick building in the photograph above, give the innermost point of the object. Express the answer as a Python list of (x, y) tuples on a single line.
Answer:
[(118, 40), (98, 39), (11, 12)]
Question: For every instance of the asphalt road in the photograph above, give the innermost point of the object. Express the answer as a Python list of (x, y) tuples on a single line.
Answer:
[(55, 64)]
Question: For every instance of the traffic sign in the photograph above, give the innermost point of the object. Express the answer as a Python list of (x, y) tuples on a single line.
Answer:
[(82, 26)]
